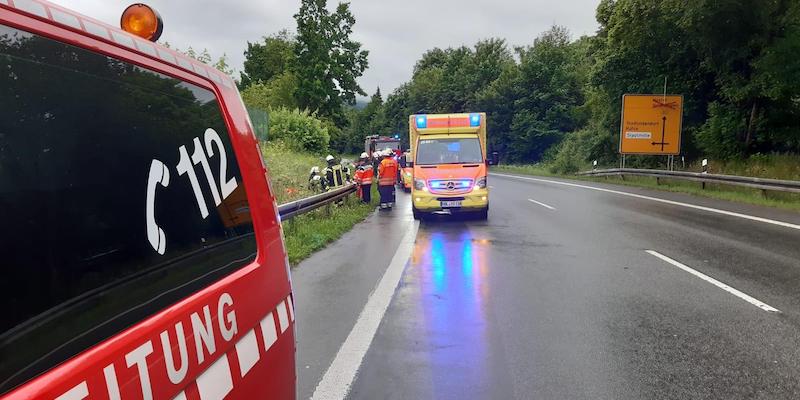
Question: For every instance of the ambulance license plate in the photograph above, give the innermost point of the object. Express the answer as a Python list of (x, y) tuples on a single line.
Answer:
[(451, 203)]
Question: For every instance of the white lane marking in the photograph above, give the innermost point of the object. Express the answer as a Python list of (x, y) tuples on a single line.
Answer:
[(335, 384), (758, 303), (674, 203), (247, 352), (216, 382), (541, 204)]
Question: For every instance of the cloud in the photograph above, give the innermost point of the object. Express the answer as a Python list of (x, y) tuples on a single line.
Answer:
[(396, 33)]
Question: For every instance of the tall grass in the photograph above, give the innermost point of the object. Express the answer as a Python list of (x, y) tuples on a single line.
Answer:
[(288, 170), (776, 166)]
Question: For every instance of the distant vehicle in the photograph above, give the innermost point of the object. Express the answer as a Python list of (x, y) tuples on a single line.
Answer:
[(449, 164), (374, 143), (142, 252)]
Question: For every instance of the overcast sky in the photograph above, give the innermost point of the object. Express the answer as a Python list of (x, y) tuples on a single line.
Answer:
[(396, 33)]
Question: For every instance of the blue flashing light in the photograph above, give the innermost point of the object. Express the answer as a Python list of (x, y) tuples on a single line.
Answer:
[(397, 136), (422, 121), (474, 120)]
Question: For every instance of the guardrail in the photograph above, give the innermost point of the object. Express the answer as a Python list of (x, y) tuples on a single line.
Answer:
[(302, 206), (733, 180)]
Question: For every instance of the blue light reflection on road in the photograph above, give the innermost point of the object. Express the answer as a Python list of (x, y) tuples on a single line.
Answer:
[(452, 298)]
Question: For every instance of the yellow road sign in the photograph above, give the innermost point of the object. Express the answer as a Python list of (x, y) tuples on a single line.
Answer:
[(651, 124)]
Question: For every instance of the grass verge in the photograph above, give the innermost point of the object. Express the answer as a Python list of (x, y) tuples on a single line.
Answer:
[(787, 201), (307, 233), (310, 232)]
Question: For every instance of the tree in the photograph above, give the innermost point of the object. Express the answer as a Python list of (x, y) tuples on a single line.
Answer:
[(277, 92), (367, 121), (548, 93), (268, 60), (328, 60)]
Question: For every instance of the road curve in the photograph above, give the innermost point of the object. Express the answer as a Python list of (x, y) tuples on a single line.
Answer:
[(567, 292)]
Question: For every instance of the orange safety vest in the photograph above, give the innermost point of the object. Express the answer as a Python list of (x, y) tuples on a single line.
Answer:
[(366, 175), (387, 172)]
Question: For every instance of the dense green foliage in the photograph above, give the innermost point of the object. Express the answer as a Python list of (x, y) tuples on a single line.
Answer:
[(300, 130), (558, 99)]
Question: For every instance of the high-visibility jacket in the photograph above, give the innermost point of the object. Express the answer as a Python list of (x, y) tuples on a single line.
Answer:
[(334, 176), (364, 175), (387, 172)]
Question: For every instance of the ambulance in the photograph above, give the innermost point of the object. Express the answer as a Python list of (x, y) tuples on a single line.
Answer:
[(143, 256), (449, 164)]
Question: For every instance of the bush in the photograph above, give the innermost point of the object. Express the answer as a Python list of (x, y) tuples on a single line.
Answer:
[(577, 150), (301, 130), (277, 92), (718, 136)]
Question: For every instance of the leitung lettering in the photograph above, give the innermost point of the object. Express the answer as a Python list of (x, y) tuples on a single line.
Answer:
[(136, 363)]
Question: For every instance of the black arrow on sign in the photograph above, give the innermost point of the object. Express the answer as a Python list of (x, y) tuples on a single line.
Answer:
[(663, 129)]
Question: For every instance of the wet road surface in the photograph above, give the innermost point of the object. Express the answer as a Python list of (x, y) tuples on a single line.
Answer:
[(557, 296)]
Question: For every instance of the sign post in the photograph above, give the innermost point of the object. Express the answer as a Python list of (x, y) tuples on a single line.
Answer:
[(651, 124)]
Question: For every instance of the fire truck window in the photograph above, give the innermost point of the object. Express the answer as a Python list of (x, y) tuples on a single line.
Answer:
[(119, 195)]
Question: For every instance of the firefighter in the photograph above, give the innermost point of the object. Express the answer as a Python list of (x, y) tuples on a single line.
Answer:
[(334, 176), (363, 178), (376, 160), (387, 174), (348, 176), (315, 182)]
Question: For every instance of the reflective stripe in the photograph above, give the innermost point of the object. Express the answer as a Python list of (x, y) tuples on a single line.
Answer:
[(337, 175)]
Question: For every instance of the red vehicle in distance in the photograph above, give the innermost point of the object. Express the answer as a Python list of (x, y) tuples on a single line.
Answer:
[(142, 250), (374, 143)]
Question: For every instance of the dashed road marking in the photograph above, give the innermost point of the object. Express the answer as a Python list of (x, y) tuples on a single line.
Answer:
[(674, 203), (758, 303), (541, 204)]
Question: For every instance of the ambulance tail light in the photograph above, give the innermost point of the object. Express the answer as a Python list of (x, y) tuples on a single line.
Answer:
[(143, 21)]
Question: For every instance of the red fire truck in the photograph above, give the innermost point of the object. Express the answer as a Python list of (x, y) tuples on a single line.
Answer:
[(376, 142), (142, 251)]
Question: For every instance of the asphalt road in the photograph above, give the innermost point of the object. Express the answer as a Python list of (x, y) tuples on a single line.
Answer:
[(564, 293)]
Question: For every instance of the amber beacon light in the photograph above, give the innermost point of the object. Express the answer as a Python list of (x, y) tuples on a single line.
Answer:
[(141, 20)]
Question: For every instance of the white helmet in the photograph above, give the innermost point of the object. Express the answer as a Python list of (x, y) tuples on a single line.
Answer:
[(363, 155), (329, 158), (314, 170)]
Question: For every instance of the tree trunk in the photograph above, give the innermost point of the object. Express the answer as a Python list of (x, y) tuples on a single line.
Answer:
[(751, 125)]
